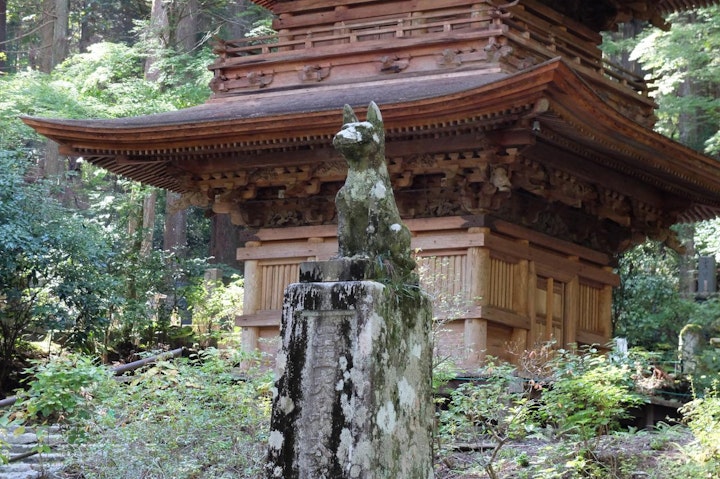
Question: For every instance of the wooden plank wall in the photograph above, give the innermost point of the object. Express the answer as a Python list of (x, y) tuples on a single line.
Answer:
[(495, 291)]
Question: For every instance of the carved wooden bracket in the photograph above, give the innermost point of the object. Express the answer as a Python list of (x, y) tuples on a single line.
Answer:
[(498, 48), (393, 64), (449, 58), (455, 58), (254, 79), (314, 73), (259, 79)]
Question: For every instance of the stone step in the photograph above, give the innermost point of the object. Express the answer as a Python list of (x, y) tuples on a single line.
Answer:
[(15, 449), (42, 466), (29, 471)]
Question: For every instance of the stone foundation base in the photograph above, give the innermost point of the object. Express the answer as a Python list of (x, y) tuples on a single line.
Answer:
[(353, 393)]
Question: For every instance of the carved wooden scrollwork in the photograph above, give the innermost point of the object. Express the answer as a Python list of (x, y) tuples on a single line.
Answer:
[(314, 73), (393, 64)]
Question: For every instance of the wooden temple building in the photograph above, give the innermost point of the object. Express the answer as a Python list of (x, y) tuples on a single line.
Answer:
[(522, 160)]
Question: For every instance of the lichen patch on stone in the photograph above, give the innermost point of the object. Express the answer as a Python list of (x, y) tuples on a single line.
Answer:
[(379, 190), (280, 363), (286, 404), (276, 440), (387, 418), (406, 393)]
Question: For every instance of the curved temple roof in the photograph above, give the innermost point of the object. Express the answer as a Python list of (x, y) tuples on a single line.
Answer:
[(569, 124)]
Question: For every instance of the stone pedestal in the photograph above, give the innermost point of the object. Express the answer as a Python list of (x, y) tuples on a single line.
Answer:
[(353, 392)]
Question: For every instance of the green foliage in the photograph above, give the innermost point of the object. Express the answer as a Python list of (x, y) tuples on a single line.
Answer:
[(105, 82), (492, 409), (31, 93), (109, 79), (574, 405), (686, 72), (703, 418), (214, 307), (52, 264), (84, 279), (647, 307), (63, 390), (183, 419), (183, 77), (587, 396)]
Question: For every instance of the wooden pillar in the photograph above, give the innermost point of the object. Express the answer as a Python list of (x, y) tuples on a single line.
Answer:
[(475, 333), (284, 36), (572, 311), (251, 300), (212, 275), (549, 309), (519, 337), (606, 310), (250, 339), (475, 330), (418, 20), (315, 241), (531, 306)]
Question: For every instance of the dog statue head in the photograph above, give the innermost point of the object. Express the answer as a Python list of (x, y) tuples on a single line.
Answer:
[(362, 143)]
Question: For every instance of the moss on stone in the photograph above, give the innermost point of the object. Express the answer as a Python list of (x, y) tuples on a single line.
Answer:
[(369, 224)]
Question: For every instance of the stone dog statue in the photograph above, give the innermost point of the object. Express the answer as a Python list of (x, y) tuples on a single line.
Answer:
[(369, 224)]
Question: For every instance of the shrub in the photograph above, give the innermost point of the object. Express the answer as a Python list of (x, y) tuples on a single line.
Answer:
[(183, 419), (491, 410), (63, 390), (703, 418), (587, 396), (572, 401)]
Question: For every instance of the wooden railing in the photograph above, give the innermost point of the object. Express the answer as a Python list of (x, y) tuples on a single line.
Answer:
[(353, 33), (530, 27)]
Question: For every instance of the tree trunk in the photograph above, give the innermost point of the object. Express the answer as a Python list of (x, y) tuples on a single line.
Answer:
[(175, 235), (625, 31), (688, 121), (86, 30), (148, 223), (158, 29), (224, 240), (165, 19), (687, 266), (54, 164), (54, 33), (3, 37), (187, 26)]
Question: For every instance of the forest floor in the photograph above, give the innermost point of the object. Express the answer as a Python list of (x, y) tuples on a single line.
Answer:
[(636, 455)]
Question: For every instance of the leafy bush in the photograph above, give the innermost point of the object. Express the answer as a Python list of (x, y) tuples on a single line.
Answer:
[(573, 401), (52, 265), (64, 391), (183, 419), (493, 409), (703, 418), (648, 308), (214, 307), (587, 396)]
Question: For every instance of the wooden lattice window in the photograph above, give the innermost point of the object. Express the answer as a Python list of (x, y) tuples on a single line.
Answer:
[(549, 310)]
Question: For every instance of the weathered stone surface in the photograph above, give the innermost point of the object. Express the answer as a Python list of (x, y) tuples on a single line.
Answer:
[(353, 394), (46, 465), (340, 269), (369, 223)]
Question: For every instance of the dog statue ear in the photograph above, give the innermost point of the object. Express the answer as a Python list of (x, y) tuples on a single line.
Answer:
[(349, 115), (374, 116)]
